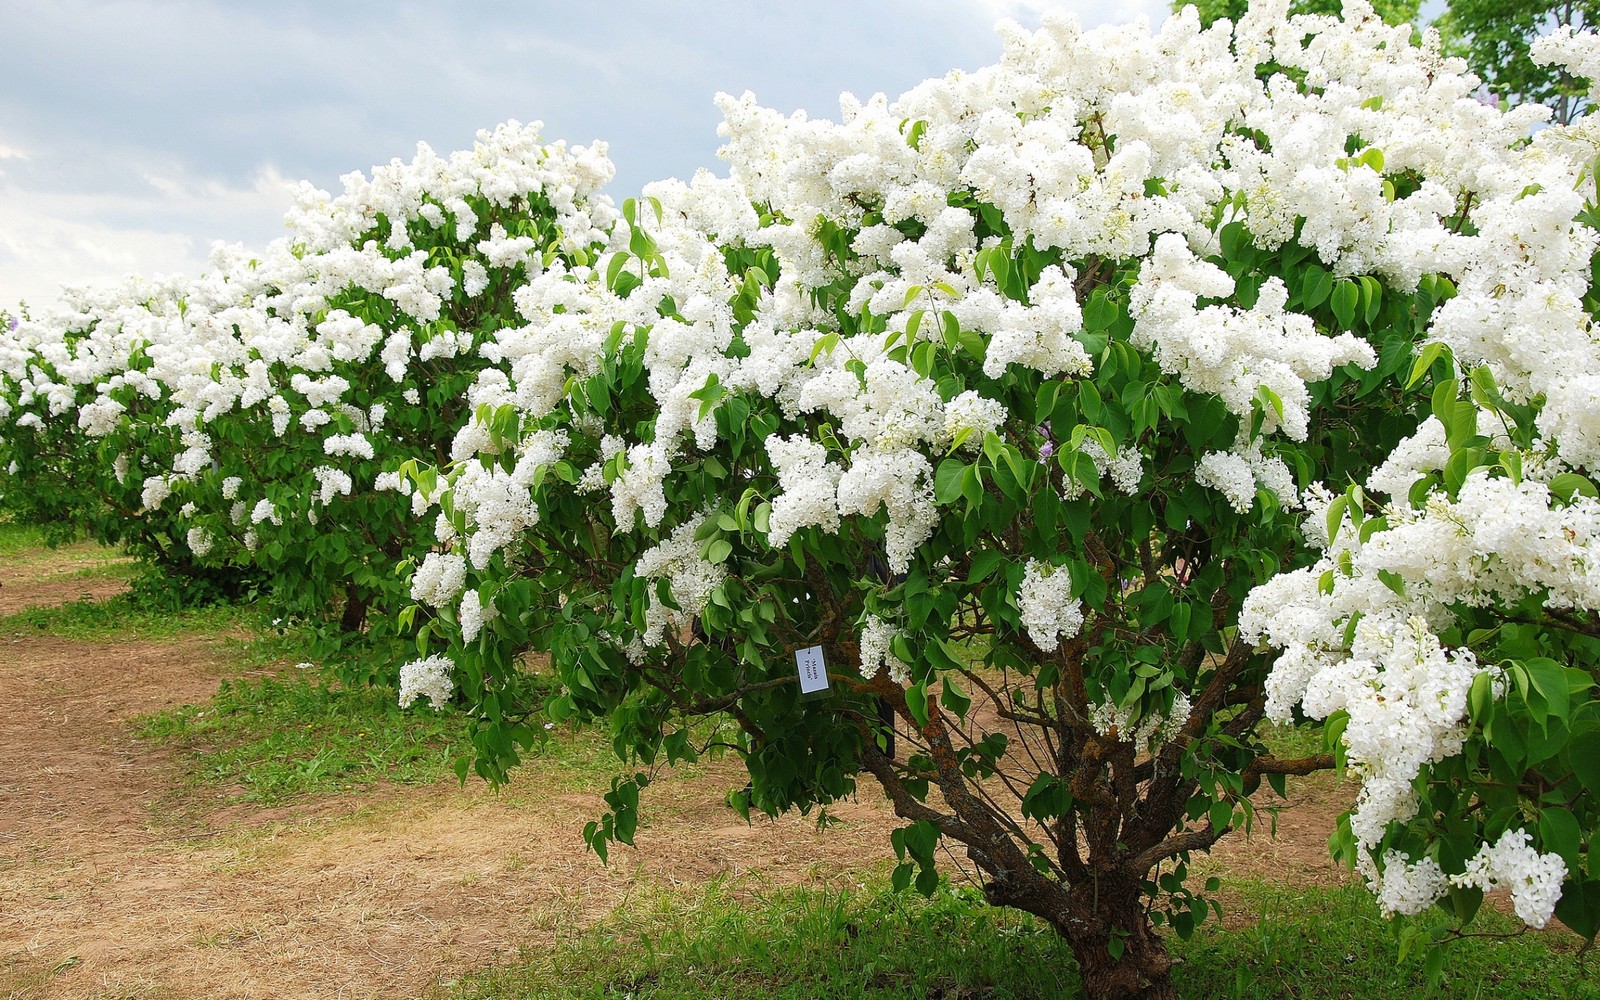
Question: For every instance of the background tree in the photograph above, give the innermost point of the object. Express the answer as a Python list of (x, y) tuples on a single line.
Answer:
[(1495, 37)]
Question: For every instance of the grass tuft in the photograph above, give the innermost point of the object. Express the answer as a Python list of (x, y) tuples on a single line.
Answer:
[(122, 618), (278, 738), (788, 944), (16, 539), (1330, 944), (864, 941)]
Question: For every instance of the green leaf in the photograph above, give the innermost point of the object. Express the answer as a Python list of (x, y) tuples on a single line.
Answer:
[(1346, 296), (1480, 699), (947, 480), (1585, 750), (1315, 286), (984, 563), (1549, 678), (917, 703), (952, 699), (1371, 298), (1430, 354), (1559, 833), (1571, 484), (972, 486), (1178, 622)]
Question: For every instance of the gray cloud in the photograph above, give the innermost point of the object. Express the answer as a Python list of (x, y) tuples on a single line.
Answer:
[(172, 121)]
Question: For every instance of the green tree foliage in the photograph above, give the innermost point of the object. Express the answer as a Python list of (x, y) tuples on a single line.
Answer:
[(1494, 36)]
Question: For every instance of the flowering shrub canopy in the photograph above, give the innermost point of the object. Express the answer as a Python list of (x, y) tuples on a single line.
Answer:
[(258, 416), (1035, 401)]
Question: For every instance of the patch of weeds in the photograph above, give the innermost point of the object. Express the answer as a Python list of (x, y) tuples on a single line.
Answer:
[(111, 568), (16, 539), (121, 618), (857, 941), (866, 941), (1288, 742), (276, 738), (1323, 944)]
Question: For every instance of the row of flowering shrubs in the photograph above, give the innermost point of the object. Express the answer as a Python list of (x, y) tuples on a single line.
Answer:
[(250, 423), (1075, 415)]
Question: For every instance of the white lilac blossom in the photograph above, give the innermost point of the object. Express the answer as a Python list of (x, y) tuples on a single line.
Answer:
[(439, 579), (1533, 878), (1147, 734), (973, 416), (427, 678), (809, 486), (690, 579), (200, 541), (876, 634), (472, 615), (1050, 612)]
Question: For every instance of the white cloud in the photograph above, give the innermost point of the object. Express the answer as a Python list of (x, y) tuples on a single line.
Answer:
[(133, 133), (1089, 12), (51, 239)]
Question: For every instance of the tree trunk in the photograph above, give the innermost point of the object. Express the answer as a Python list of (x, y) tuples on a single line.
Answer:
[(1102, 913), (1103, 920), (355, 612)]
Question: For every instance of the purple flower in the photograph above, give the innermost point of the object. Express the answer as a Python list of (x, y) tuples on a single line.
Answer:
[(12, 325)]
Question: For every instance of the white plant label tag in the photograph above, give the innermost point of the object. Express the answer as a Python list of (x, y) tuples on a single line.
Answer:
[(813, 672)]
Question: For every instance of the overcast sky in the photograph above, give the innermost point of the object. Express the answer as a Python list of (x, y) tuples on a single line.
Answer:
[(134, 133)]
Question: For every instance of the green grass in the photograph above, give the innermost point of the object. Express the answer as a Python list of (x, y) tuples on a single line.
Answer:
[(1292, 741), (122, 618), (864, 941), (789, 944), (18, 538), (277, 738), (299, 732), (1324, 944)]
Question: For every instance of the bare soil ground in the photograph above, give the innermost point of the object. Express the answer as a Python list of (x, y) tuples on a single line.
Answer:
[(119, 879)]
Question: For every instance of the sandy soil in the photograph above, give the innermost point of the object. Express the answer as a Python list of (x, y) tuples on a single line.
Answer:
[(117, 879)]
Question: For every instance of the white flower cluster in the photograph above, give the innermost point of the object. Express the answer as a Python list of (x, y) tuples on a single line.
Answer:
[(1406, 694), (690, 580), (430, 678), (1152, 731), (441, 577), (272, 339), (1239, 473), (809, 488), (876, 634), (974, 415), (1534, 879), (1050, 612)]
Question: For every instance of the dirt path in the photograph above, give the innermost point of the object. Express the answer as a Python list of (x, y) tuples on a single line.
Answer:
[(115, 882), (112, 885)]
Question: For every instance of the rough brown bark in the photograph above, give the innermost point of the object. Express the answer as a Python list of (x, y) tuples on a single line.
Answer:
[(1103, 913), (1120, 956)]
